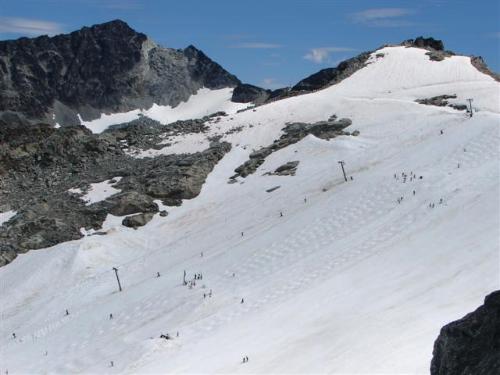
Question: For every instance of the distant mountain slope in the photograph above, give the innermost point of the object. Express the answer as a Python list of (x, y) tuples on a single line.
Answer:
[(103, 68)]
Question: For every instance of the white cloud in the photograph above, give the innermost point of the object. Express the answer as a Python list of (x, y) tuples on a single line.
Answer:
[(31, 27), (272, 83), (322, 54), (383, 17), (256, 45)]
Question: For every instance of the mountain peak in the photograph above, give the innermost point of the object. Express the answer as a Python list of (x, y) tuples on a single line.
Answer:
[(421, 42)]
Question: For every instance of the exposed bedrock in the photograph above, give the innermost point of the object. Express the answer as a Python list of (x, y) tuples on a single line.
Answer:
[(471, 345)]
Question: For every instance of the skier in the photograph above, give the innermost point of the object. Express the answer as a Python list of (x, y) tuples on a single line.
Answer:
[(305, 200), (13, 335), (351, 178), (67, 312), (241, 234), (157, 274), (413, 192), (112, 364), (441, 132), (110, 316), (242, 300), (441, 201), (281, 214)]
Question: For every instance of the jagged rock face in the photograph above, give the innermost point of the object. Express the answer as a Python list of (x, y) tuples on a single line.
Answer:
[(246, 93), (427, 43), (471, 345), (103, 68), (479, 64), (331, 76)]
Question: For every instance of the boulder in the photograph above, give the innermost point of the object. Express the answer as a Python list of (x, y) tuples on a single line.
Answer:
[(138, 220), (470, 345), (131, 202), (287, 169)]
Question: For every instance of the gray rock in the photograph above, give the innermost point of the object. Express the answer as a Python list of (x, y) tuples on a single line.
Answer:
[(440, 100), (131, 202), (104, 68), (38, 165), (331, 76), (138, 220), (245, 93), (293, 132), (7, 254), (287, 169), (426, 43), (480, 64), (470, 345)]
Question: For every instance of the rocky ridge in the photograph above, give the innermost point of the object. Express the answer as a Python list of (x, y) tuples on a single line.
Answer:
[(104, 68), (293, 133), (45, 172)]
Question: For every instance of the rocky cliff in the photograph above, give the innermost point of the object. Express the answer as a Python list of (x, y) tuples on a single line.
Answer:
[(104, 68), (471, 345)]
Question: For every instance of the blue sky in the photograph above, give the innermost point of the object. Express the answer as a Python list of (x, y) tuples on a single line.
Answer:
[(273, 43)]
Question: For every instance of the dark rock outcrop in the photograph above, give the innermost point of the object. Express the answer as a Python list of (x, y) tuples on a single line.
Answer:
[(104, 68), (131, 202), (39, 164), (246, 93), (471, 345), (293, 133), (442, 101), (138, 220), (331, 76), (427, 43), (479, 64), (287, 169)]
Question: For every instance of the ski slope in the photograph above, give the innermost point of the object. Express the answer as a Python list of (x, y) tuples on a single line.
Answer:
[(348, 281)]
